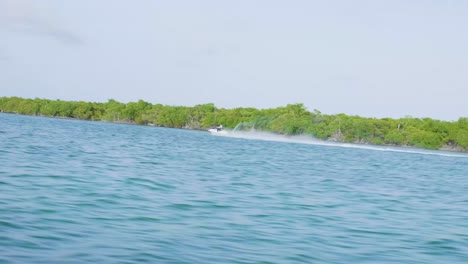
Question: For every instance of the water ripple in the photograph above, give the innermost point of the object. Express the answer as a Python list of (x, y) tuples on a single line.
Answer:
[(75, 192)]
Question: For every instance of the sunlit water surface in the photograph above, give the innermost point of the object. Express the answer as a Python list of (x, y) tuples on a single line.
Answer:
[(74, 192)]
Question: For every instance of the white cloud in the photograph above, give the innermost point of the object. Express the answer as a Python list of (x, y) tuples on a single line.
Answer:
[(30, 17)]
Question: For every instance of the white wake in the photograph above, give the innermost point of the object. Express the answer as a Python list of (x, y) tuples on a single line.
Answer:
[(266, 136)]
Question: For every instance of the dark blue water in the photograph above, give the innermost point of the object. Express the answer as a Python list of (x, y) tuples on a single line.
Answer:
[(74, 192)]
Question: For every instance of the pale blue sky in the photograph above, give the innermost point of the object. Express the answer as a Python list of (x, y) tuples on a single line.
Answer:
[(370, 58)]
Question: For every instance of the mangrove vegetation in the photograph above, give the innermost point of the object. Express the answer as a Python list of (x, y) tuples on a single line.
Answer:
[(293, 119)]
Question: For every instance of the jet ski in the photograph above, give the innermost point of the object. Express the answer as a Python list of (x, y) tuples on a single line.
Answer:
[(217, 130)]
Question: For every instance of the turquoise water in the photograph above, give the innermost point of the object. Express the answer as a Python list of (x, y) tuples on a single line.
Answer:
[(75, 192)]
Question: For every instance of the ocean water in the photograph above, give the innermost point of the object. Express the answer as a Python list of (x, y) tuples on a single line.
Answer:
[(90, 192)]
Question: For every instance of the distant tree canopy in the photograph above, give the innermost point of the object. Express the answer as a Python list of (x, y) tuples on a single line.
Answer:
[(293, 119)]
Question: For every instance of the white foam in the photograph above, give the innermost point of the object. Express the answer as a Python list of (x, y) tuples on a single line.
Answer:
[(266, 136)]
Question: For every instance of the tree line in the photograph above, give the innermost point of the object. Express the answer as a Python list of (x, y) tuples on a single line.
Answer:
[(293, 119)]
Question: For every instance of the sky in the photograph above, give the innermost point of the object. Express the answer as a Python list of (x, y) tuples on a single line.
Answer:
[(371, 58)]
